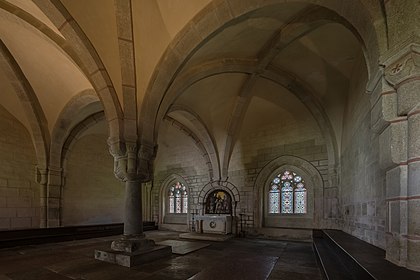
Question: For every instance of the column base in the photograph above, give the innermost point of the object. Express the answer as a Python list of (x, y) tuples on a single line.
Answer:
[(130, 251), (135, 258), (132, 243)]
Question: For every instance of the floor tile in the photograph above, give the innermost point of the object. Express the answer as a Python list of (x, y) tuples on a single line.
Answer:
[(38, 273), (234, 259)]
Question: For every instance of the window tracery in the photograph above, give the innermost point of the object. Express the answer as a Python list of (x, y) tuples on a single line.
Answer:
[(178, 199), (287, 194)]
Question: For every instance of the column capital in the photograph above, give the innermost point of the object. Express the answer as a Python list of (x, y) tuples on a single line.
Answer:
[(383, 100), (403, 66), (146, 154), (116, 147), (136, 163), (402, 72), (41, 175)]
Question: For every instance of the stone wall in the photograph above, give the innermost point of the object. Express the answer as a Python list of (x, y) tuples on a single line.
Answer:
[(91, 193), (261, 148), (287, 128), (19, 194), (362, 183), (177, 155), (194, 182), (256, 147)]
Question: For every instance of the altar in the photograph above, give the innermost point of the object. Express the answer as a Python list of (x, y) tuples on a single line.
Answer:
[(214, 224), (217, 214)]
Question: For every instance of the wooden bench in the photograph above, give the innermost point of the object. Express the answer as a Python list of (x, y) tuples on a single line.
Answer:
[(343, 256), (13, 238)]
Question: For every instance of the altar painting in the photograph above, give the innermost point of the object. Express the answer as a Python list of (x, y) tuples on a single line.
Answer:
[(219, 202)]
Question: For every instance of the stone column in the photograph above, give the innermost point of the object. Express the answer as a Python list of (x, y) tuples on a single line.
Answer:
[(132, 248), (133, 238), (128, 170), (55, 182), (401, 148), (146, 198), (41, 179), (413, 190), (133, 216)]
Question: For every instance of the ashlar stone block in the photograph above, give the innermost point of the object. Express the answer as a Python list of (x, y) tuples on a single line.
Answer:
[(393, 144), (414, 218), (408, 97), (384, 111), (413, 188), (413, 254), (396, 182)]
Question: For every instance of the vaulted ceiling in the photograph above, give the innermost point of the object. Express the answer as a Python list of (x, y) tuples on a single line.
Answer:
[(275, 63)]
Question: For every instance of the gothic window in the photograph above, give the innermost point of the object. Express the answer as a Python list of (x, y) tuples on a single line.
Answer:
[(274, 198), (287, 194), (178, 199), (287, 198)]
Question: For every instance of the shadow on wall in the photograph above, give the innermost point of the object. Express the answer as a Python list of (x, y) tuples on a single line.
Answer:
[(91, 194), (19, 194)]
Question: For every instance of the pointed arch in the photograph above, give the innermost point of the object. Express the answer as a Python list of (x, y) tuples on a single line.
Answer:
[(165, 215), (30, 103), (279, 76), (81, 50), (81, 106), (205, 137), (211, 186), (188, 41), (315, 186)]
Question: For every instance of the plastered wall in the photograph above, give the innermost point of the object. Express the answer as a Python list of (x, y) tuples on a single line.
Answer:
[(19, 194)]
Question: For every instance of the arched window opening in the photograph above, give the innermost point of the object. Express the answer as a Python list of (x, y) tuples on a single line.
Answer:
[(287, 194), (178, 199)]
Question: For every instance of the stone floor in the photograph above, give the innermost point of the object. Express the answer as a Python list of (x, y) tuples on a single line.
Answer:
[(231, 259)]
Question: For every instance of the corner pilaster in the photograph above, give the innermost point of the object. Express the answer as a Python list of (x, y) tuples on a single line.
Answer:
[(42, 179), (55, 183), (395, 116)]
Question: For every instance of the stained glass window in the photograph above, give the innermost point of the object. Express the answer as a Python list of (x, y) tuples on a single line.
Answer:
[(171, 204), (287, 194), (273, 199), (185, 206), (287, 198), (178, 199), (300, 200)]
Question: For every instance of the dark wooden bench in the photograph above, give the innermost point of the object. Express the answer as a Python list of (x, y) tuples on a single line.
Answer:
[(13, 238), (343, 256)]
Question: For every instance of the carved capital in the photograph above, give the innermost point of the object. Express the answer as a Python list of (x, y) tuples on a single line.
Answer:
[(116, 147), (147, 154), (41, 175), (147, 151), (383, 100), (131, 147), (404, 66), (120, 168), (131, 161), (402, 71)]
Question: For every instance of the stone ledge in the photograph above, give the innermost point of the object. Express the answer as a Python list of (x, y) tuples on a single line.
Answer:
[(206, 236), (135, 258)]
